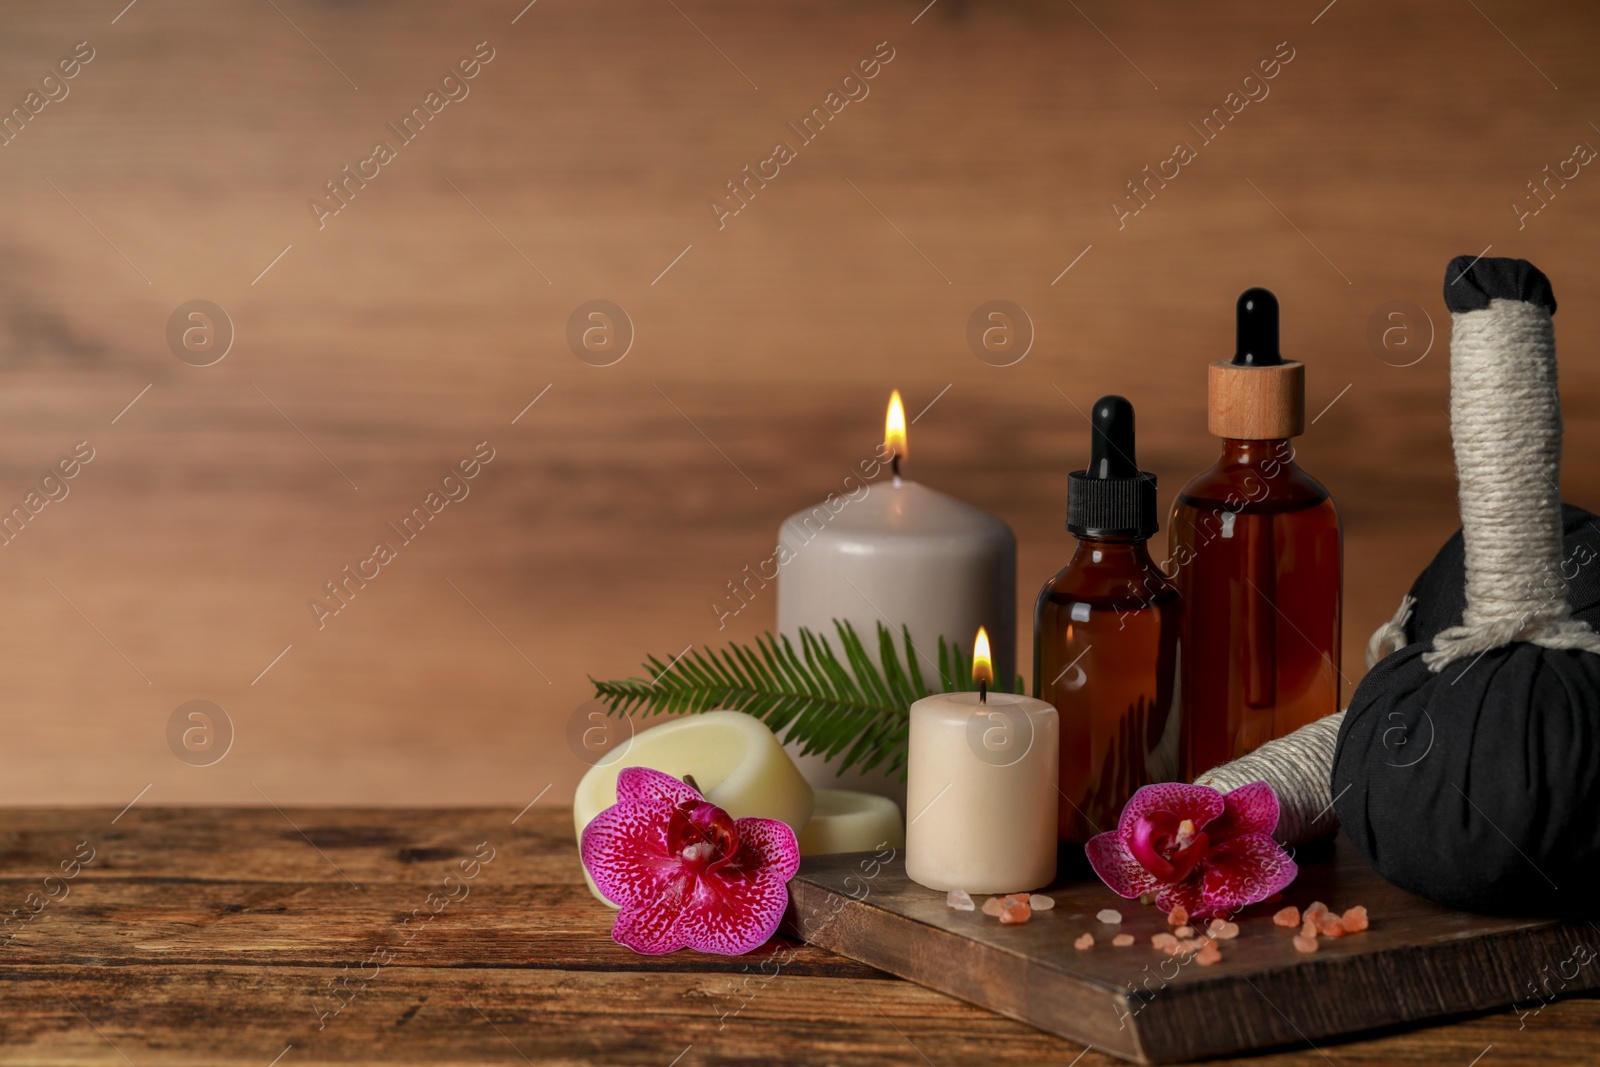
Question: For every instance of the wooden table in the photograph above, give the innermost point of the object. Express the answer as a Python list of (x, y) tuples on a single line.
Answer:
[(217, 936)]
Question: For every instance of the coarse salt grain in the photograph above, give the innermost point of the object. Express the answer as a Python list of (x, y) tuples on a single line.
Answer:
[(1014, 898), (1329, 927), (1208, 956), (1309, 929), (1355, 920), (1014, 911), (1315, 908), (1109, 916), (1178, 916), (959, 900), (992, 907), (1289, 916), (1164, 941), (1183, 931), (1305, 944), (1086, 941), (1039, 902), (1122, 940), (1225, 931)]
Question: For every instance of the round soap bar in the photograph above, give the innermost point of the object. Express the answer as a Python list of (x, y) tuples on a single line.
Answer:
[(735, 760), (846, 821)]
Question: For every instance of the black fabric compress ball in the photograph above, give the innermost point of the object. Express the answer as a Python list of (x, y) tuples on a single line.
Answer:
[(1468, 763), (1478, 787)]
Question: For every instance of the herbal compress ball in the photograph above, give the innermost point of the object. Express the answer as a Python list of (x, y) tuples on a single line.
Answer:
[(1466, 766)]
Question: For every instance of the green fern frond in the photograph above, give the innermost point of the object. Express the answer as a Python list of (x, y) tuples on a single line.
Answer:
[(853, 709)]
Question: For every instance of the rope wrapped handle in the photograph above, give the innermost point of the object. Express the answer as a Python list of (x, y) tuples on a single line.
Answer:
[(1505, 422)]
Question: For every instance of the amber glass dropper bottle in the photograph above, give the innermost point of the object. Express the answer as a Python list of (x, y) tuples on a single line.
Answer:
[(1256, 551), (1106, 637)]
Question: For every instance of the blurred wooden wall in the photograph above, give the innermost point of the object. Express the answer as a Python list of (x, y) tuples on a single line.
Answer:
[(427, 314)]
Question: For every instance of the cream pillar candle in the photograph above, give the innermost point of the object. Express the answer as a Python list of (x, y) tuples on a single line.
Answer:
[(981, 803), (899, 553), (736, 762), (846, 821)]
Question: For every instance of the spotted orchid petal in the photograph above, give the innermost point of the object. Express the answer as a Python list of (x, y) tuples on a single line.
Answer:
[(1197, 803), (647, 786), (1245, 870), (738, 908), (1250, 809), (1186, 895), (624, 849), (1117, 868)]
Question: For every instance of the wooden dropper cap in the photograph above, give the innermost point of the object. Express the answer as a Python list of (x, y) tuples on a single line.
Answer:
[(1258, 395)]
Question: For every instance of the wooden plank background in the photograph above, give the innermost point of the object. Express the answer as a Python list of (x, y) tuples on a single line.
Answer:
[(426, 315)]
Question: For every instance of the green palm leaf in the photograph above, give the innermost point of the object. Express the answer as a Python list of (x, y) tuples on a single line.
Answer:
[(854, 710)]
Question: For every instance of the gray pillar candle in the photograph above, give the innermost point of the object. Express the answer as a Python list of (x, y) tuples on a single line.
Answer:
[(899, 553)]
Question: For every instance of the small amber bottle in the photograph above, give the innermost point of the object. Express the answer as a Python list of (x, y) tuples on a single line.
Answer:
[(1256, 551), (1106, 637)]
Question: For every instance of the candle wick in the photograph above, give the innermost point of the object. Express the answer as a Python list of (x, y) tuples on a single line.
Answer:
[(983, 691), (894, 466)]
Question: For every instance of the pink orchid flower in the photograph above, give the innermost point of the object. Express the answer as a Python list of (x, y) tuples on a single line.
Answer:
[(684, 872), (1193, 846)]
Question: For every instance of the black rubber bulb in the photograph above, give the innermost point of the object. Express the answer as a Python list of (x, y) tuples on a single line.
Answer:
[(1111, 452), (1257, 344)]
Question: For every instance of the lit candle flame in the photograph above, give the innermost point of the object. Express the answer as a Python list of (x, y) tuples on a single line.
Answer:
[(982, 660), (894, 427)]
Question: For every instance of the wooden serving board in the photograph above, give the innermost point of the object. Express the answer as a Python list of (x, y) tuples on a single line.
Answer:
[(1418, 961)]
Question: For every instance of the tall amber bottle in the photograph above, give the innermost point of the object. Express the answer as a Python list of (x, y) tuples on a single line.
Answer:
[(1256, 551), (1107, 636)]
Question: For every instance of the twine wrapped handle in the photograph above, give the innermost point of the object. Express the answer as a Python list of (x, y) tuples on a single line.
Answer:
[(1505, 421)]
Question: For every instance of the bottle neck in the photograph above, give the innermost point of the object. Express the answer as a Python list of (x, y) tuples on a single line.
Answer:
[(1241, 453), (1116, 552)]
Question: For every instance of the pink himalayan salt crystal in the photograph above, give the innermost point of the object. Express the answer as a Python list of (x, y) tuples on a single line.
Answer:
[(1109, 916), (1122, 940), (1183, 932), (1039, 902), (1328, 926), (1355, 920), (1084, 942), (992, 907), (1164, 941), (959, 900), (1289, 916), (1305, 944), (1316, 908), (1013, 912), (1208, 956), (1225, 931), (1178, 916)]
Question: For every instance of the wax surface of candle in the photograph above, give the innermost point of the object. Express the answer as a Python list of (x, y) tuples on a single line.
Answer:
[(981, 804), (735, 760), (901, 555), (849, 821)]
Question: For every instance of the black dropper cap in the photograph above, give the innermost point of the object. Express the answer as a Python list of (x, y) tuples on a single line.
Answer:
[(1113, 497), (1257, 330)]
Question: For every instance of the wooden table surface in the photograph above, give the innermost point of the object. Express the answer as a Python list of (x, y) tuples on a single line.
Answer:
[(219, 937)]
